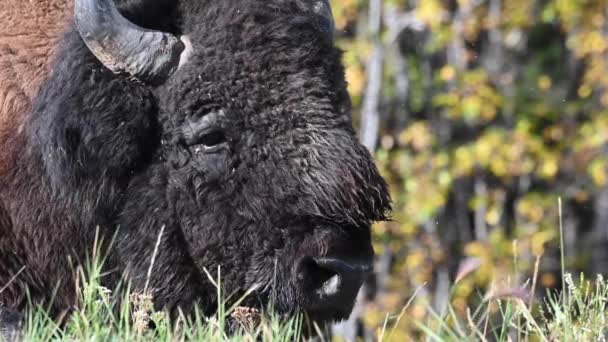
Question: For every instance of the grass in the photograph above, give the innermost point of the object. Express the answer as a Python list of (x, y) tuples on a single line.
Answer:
[(578, 313), (121, 315), (581, 317), (508, 313), (100, 317)]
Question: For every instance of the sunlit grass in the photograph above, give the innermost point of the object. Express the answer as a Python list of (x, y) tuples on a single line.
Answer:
[(121, 314), (101, 316), (579, 314), (506, 312)]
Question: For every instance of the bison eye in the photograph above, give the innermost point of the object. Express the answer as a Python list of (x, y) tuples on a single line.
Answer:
[(206, 133), (212, 138)]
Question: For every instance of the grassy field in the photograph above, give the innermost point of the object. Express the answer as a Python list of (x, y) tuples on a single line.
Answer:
[(505, 314), (122, 315), (579, 315)]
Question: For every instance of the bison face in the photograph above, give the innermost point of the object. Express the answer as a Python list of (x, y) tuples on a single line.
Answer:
[(267, 177), (238, 145)]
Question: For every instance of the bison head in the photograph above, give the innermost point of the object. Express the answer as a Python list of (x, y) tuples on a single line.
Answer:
[(236, 141)]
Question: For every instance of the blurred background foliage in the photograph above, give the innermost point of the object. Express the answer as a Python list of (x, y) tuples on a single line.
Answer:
[(481, 114)]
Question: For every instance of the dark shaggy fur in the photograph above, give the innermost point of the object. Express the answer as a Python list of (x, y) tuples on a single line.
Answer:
[(286, 179)]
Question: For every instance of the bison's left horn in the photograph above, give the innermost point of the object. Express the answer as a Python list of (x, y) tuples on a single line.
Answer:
[(123, 47)]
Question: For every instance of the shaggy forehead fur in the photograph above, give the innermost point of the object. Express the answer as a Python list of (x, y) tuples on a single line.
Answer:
[(279, 82), (100, 150)]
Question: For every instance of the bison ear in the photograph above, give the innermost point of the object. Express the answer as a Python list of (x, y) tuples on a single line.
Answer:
[(323, 9), (125, 48)]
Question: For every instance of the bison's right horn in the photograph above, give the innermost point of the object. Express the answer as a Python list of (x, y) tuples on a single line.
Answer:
[(123, 47)]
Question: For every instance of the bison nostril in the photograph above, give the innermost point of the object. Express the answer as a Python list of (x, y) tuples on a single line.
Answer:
[(330, 284), (331, 278), (313, 275)]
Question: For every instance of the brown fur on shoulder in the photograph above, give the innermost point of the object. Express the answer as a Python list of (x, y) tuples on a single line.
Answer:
[(28, 33)]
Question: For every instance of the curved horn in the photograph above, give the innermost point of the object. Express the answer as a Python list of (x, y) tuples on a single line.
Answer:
[(123, 47)]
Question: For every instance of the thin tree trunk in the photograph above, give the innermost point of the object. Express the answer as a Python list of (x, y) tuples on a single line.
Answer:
[(481, 192), (599, 233), (370, 115)]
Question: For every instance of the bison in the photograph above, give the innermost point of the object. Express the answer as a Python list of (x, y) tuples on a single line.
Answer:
[(225, 125)]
